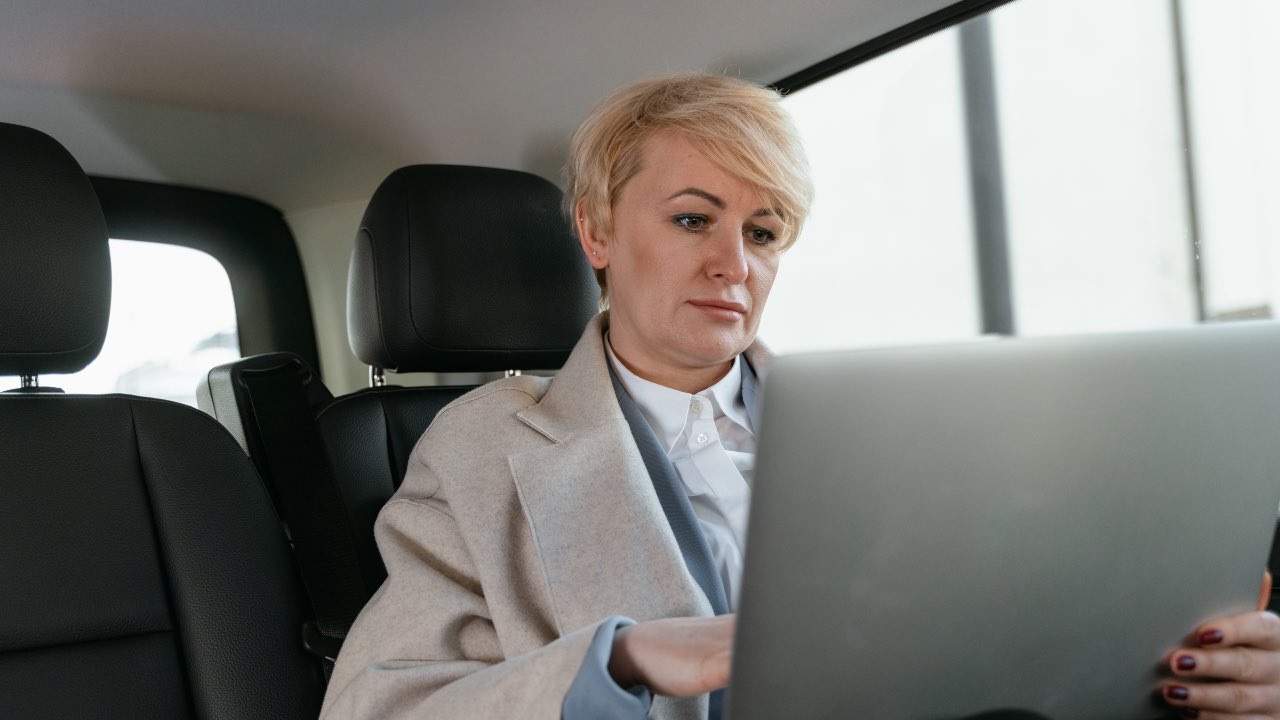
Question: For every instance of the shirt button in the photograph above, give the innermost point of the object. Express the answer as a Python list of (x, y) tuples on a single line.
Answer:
[(697, 406), (702, 438)]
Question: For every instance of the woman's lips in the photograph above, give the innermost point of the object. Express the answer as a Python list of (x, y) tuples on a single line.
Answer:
[(720, 309)]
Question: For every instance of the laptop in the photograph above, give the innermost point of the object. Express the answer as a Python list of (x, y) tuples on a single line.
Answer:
[(1018, 525)]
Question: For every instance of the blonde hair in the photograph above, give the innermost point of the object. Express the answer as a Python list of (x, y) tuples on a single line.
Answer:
[(738, 125)]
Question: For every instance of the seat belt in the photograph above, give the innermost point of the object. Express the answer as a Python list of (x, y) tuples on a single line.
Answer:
[(292, 458)]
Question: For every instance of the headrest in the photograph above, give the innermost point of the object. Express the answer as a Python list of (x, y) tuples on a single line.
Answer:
[(55, 265), (466, 269)]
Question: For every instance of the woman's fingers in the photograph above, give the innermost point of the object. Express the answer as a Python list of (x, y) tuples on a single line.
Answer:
[(1257, 629), (1241, 649), (1237, 699), (1242, 664), (674, 656)]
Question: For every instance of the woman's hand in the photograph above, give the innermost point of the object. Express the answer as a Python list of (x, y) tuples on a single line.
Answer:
[(675, 656), (1234, 671)]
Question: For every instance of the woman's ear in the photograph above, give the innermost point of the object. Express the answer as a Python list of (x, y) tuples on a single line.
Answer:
[(592, 244)]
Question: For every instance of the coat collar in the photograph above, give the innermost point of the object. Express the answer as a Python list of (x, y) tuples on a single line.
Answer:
[(582, 396)]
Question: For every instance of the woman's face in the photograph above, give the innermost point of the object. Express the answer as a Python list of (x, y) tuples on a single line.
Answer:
[(690, 264)]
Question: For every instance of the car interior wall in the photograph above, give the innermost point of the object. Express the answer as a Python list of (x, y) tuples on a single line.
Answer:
[(324, 236)]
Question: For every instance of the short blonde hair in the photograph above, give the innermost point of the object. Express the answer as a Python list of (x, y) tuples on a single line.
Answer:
[(738, 125)]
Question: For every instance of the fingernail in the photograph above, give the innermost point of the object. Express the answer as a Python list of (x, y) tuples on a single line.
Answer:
[(1186, 662), (1210, 637), (1190, 712), (1176, 692)]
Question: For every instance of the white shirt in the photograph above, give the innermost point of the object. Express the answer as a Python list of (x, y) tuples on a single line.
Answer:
[(710, 442)]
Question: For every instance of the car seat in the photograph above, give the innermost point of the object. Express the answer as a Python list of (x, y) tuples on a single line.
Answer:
[(145, 574), (455, 269)]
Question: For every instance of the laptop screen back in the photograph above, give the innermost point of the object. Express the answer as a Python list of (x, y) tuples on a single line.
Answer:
[(938, 532)]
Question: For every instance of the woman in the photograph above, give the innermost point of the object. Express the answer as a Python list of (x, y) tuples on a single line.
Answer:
[(562, 547)]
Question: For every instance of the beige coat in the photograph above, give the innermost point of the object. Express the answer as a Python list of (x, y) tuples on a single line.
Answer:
[(526, 518)]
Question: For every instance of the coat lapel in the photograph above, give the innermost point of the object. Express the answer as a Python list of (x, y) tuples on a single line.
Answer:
[(601, 535), (604, 541)]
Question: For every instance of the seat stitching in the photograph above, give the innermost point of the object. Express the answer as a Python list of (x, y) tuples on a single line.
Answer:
[(86, 641), (158, 538)]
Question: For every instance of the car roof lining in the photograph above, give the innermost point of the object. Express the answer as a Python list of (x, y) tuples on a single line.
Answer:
[(308, 108)]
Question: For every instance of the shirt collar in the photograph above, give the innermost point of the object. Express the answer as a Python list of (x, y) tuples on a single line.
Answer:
[(667, 409), (726, 395)]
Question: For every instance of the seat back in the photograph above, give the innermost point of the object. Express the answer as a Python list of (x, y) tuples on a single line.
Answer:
[(455, 269), (368, 437), (145, 573)]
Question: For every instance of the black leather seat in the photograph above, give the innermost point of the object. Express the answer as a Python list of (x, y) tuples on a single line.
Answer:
[(455, 269), (145, 575)]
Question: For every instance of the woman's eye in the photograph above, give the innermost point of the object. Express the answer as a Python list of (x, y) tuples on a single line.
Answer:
[(692, 223), (761, 236)]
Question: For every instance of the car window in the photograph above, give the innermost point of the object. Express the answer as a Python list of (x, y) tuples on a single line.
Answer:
[(172, 319), (886, 256), (1129, 164)]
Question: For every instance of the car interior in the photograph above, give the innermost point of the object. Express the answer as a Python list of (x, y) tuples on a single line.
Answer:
[(379, 186)]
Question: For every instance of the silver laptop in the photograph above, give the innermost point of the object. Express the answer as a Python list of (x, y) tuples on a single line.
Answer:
[(940, 532)]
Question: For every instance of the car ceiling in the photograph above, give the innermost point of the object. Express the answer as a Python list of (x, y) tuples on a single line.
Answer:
[(306, 104)]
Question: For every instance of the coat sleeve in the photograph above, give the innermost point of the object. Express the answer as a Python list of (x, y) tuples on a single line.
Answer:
[(425, 645)]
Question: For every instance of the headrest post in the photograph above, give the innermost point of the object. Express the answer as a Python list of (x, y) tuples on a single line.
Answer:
[(377, 377), (30, 381), (510, 373)]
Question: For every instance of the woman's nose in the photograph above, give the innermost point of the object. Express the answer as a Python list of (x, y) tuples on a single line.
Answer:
[(728, 258)]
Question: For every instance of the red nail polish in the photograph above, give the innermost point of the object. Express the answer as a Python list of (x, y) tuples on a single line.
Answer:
[(1210, 637), (1186, 662), (1176, 692)]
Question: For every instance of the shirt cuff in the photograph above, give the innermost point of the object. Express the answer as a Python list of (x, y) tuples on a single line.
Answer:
[(594, 693)]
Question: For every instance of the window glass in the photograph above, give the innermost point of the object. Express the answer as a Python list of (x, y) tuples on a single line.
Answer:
[(886, 256), (172, 319), (1137, 160), (1234, 109), (1094, 177)]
